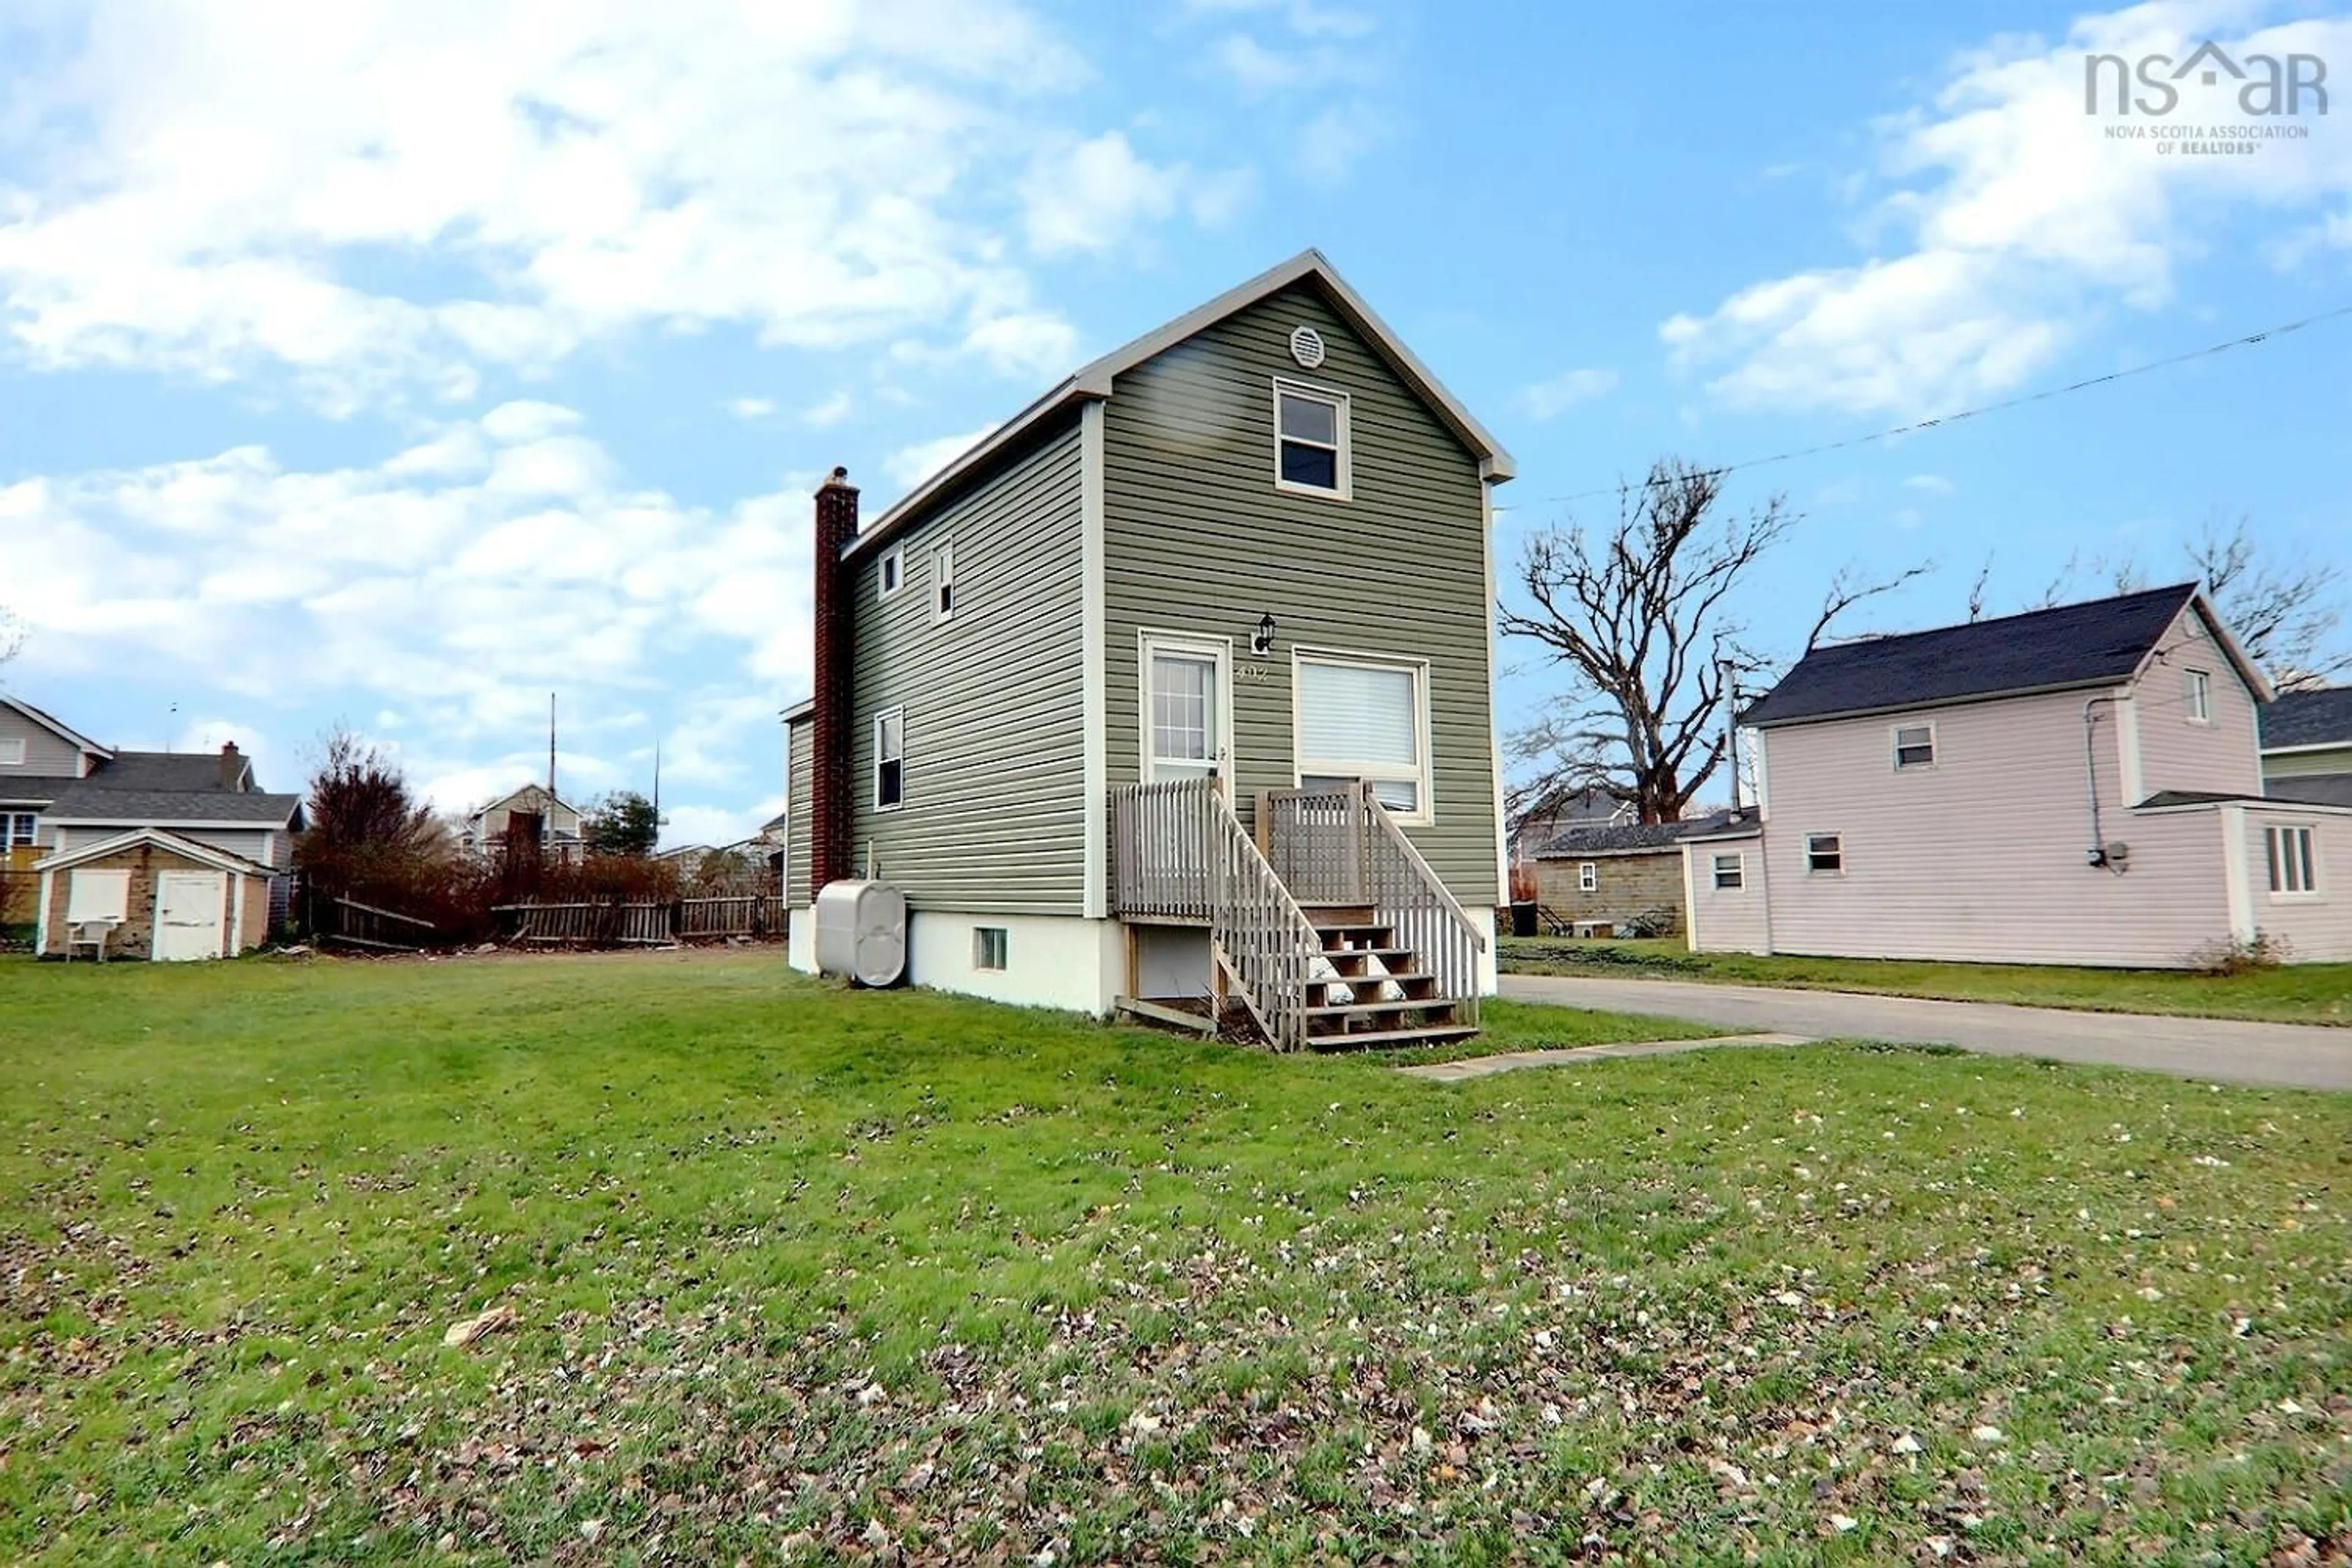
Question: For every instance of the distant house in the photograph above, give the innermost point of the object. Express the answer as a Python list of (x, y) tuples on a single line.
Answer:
[(62, 793), (2307, 747), (1627, 874), (531, 819), (2080, 784), (1587, 807)]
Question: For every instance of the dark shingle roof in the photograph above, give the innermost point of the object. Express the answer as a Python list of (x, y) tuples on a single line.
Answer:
[(86, 801), (159, 769), (1629, 837), (2309, 718), (2073, 644), (2320, 789)]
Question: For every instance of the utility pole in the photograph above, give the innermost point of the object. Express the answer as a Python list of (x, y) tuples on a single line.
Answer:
[(550, 746)]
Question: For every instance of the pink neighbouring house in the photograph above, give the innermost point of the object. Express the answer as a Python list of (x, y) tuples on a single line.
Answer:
[(2081, 786)]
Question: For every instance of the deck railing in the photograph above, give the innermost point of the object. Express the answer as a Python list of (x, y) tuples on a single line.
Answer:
[(1339, 845), (1180, 853)]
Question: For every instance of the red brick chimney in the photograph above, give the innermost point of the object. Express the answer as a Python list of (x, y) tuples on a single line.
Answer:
[(232, 768), (832, 807)]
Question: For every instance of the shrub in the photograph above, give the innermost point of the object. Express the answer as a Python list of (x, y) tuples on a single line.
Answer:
[(2237, 955)]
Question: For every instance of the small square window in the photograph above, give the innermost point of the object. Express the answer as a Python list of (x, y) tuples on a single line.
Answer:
[(943, 601), (1915, 746), (1310, 441), (2295, 868), (12, 751), (891, 574), (2197, 695), (1825, 854), (1588, 878), (989, 945), (1730, 872), (889, 759)]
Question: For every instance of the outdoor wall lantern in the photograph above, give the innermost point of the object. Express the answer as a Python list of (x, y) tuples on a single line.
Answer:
[(1262, 641)]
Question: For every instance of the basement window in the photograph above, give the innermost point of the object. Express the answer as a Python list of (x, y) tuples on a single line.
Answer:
[(889, 759), (2295, 868), (1730, 873), (1915, 746), (989, 945), (1824, 855), (1588, 878), (1310, 441)]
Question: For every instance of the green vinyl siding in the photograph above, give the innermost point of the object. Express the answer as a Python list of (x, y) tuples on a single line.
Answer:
[(994, 817), (800, 739), (2307, 764), (1199, 542)]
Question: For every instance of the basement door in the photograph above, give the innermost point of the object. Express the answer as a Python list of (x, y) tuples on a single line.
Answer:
[(189, 907)]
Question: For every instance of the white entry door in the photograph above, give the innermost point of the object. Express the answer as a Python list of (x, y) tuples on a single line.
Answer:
[(189, 905), (1187, 709)]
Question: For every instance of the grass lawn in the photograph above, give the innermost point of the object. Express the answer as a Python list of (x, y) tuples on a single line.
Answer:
[(2289, 994), (798, 1271)]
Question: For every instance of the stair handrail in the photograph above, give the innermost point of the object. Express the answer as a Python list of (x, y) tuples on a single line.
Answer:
[(1259, 933)]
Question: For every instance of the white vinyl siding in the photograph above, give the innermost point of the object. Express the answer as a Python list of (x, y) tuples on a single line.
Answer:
[(1730, 872), (1361, 719), (2294, 869), (1310, 440), (1915, 746), (889, 759), (1825, 853), (2197, 696)]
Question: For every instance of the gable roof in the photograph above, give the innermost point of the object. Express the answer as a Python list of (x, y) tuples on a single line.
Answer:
[(88, 803), (187, 849), (2097, 643), (2308, 719), (54, 726), (1636, 837), (163, 770), (1093, 383), (534, 787)]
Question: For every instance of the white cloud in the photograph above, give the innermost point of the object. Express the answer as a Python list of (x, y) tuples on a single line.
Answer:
[(1034, 343), (831, 412), (1929, 484), (911, 464), (214, 192), (751, 410), (1091, 196), (1550, 399), (2018, 219), (1331, 145)]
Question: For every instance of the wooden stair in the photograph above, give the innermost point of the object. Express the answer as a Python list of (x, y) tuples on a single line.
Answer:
[(1372, 992)]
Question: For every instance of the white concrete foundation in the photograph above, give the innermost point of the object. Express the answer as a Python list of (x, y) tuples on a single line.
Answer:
[(800, 940), (1050, 961)]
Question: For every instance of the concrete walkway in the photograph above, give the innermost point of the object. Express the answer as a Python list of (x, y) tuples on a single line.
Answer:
[(2306, 1056), (1511, 1061)]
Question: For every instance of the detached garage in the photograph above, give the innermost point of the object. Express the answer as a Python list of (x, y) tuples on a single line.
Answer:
[(151, 894)]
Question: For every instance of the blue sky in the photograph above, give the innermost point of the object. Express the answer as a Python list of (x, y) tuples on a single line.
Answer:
[(398, 363)]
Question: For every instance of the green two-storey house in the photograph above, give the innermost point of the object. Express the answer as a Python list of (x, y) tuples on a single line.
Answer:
[(1175, 692)]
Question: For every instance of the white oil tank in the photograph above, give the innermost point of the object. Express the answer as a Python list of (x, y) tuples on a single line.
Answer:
[(861, 931)]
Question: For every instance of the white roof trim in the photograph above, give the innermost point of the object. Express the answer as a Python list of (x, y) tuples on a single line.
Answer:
[(1094, 381), (187, 849), (57, 727), (2344, 744), (243, 824)]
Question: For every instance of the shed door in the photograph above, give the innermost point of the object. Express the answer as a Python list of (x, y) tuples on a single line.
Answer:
[(189, 905)]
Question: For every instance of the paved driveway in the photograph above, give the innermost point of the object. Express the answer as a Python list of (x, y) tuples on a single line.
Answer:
[(2306, 1055)]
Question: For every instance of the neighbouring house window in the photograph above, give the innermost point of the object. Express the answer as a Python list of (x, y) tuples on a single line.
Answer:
[(1369, 721), (891, 574), (988, 947), (1915, 746), (12, 751), (2197, 694), (1588, 878), (1310, 440), (21, 829), (2293, 867), (1824, 853), (943, 583), (1730, 873), (97, 895), (889, 758)]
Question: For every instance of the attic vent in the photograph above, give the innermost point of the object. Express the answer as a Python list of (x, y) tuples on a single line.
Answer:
[(1307, 346)]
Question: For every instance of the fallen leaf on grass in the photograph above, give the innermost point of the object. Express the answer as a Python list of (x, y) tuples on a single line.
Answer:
[(465, 1331)]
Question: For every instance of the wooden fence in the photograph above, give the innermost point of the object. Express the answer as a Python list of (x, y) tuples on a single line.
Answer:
[(355, 924), (640, 923)]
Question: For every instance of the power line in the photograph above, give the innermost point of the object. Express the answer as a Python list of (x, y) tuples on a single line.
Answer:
[(2044, 396)]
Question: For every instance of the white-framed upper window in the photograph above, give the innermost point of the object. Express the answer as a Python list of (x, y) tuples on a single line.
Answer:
[(1310, 440), (2197, 696), (2295, 866), (1364, 719), (1824, 855), (890, 759), (991, 946), (1730, 873), (943, 600), (18, 829), (1588, 878), (1915, 746), (890, 572), (12, 751)]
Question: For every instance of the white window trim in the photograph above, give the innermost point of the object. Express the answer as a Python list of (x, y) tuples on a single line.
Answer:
[(980, 935), (942, 576), (2314, 893), (1221, 650), (8, 820), (1840, 869), (1588, 876), (12, 751), (2201, 683), (897, 711), (1422, 777), (1895, 748), (1345, 465), (1738, 858), (891, 573)]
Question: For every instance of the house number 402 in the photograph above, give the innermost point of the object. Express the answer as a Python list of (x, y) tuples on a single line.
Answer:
[(1248, 672)]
